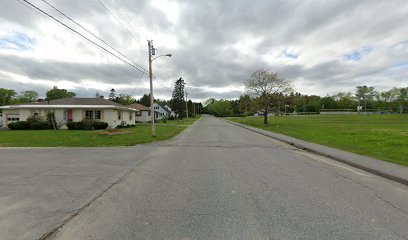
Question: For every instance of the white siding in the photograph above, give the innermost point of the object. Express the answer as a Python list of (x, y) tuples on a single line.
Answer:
[(144, 117), (24, 114), (77, 115)]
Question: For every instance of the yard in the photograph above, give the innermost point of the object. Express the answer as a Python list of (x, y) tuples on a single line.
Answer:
[(383, 137), (92, 138)]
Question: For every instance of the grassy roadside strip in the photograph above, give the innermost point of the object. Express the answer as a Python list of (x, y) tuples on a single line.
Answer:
[(383, 137), (92, 138)]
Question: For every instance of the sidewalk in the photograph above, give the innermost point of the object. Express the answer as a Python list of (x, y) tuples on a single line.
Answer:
[(388, 170)]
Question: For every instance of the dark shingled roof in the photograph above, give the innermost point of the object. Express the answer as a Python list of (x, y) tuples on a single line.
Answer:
[(139, 107), (77, 101)]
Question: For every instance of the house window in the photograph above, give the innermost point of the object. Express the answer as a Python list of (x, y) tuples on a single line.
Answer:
[(89, 114), (130, 116), (148, 113), (138, 114), (93, 114), (119, 115), (97, 114), (36, 114), (13, 118)]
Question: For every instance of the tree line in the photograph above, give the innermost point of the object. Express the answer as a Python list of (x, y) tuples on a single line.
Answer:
[(267, 92), (10, 96)]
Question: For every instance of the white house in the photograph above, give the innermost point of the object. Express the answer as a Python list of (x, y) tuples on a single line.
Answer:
[(143, 114), (72, 109), (160, 112), (172, 113)]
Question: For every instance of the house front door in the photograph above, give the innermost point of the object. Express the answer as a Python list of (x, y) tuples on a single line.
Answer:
[(69, 115)]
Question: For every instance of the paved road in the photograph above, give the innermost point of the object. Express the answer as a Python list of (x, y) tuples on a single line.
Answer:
[(41, 188), (219, 181)]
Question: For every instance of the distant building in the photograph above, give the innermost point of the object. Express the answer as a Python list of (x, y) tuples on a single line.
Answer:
[(160, 111), (143, 114), (172, 113)]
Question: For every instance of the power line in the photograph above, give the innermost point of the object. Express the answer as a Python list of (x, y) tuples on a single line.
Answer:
[(78, 33), (141, 77), (168, 88), (120, 22), (129, 16), (94, 35)]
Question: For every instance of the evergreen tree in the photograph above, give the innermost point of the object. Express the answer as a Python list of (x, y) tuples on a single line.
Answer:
[(112, 95), (177, 103), (145, 100)]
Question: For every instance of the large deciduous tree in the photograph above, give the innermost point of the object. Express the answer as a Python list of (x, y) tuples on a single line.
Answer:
[(264, 85), (56, 93), (28, 96), (245, 104), (177, 102), (365, 93), (124, 99), (6, 96)]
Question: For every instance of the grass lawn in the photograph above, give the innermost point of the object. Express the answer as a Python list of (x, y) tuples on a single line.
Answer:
[(383, 137), (90, 138)]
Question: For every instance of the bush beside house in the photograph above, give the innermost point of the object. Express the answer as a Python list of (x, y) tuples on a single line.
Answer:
[(87, 125), (32, 123)]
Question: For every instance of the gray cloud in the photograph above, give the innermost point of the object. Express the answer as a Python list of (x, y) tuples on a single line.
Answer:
[(219, 43)]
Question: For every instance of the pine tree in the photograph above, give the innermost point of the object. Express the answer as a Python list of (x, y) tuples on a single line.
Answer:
[(112, 95), (177, 103)]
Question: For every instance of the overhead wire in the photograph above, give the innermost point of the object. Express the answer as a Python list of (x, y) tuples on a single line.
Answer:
[(141, 77), (81, 35), (88, 31), (134, 65), (121, 7), (119, 21)]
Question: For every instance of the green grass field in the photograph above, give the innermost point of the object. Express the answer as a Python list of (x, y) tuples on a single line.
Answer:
[(383, 137), (91, 138)]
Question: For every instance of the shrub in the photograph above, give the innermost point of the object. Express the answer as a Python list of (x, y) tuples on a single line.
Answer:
[(21, 125), (100, 125), (34, 119), (86, 124), (40, 125), (51, 120), (72, 125), (171, 118)]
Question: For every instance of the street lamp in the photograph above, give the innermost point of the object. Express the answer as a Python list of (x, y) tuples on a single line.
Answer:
[(152, 51)]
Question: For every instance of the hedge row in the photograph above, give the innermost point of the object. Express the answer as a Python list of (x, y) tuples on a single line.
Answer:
[(86, 125), (32, 123)]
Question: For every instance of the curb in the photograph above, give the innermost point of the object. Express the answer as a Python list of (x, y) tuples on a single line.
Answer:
[(381, 168)]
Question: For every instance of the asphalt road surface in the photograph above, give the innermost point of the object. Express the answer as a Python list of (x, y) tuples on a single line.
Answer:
[(219, 181), (41, 188)]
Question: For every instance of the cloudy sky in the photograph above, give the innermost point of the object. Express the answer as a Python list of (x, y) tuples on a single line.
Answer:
[(324, 46)]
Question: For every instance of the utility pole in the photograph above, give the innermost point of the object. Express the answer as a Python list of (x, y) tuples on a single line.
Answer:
[(150, 45), (186, 103)]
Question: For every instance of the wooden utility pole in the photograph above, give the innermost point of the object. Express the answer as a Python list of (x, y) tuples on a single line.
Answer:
[(150, 45), (186, 103)]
